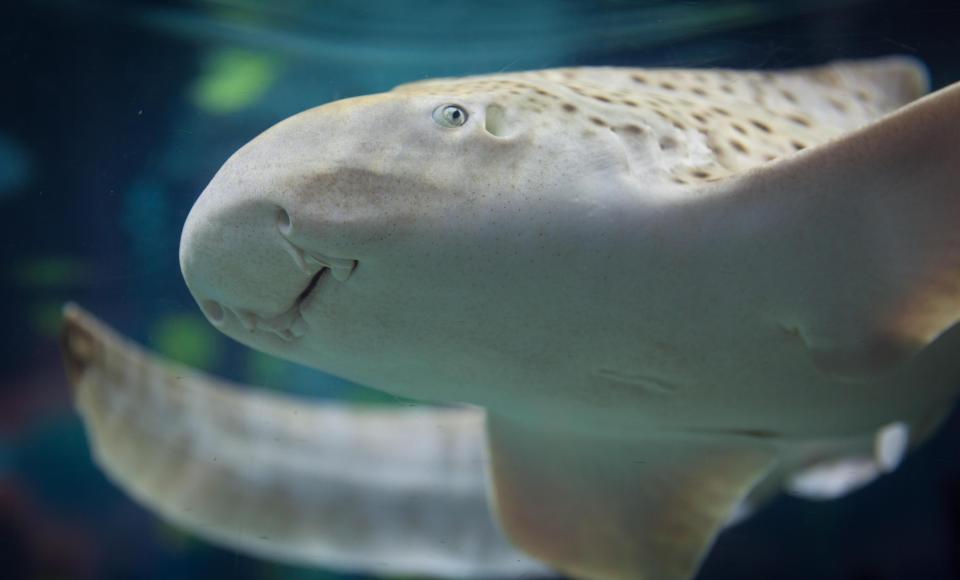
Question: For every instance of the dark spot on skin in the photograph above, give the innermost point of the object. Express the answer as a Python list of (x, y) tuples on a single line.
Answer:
[(798, 145), (597, 121), (799, 120), (601, 98), (630, 103), (639, 79), (679, 125), (635, 129), (827, 77), (700, 118), (668, 143), (700, 173), (761, 125), (541, 92), (721, 111), (569, 108), (738, 146), (862, 96), (679, 180), (667, 86), (739, 128), (788, 96), (699, 91), (769, 157), (838, 105), (726, 88)]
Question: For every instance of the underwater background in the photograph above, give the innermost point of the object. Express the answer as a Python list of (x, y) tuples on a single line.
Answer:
[(115, 115)]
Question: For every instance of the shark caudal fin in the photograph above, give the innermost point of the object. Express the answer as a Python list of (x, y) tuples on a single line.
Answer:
[(379, 490)]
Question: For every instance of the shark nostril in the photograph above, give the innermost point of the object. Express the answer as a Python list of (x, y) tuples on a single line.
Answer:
[(495, 121), (213, 311), (283, 221)]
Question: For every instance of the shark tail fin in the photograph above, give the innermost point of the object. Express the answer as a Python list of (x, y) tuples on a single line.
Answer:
[(389, 490)]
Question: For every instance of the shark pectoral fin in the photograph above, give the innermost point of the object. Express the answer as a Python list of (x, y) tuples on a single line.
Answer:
[(381, 490), (617, 509), (863, 237)]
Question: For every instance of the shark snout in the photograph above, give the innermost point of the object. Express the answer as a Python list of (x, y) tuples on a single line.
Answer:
[(242, 268), (284, 217)]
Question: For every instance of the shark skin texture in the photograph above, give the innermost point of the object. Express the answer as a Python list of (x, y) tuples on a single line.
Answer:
[(672, 293)]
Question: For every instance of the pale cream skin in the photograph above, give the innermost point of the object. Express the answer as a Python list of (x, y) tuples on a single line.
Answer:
[(669, 289)]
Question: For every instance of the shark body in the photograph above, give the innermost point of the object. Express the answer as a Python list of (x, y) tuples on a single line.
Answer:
[(672, 291)]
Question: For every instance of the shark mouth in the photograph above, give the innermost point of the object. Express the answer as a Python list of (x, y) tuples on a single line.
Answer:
[(291, 324), (310, 287)]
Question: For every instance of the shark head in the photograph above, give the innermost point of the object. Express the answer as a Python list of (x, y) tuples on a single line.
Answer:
[(401, 240)]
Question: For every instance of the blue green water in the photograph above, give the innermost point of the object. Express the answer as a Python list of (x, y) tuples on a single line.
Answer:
[(116, 114)]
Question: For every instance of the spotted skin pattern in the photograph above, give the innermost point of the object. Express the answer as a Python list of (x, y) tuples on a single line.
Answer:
[(697, 126)]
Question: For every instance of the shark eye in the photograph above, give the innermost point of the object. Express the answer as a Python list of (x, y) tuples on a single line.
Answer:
[(450, 116)]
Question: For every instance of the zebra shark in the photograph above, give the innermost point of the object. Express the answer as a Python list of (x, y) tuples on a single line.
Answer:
[(661, 294)]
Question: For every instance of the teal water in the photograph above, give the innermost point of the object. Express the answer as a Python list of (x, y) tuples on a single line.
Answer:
[(115, 116)]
